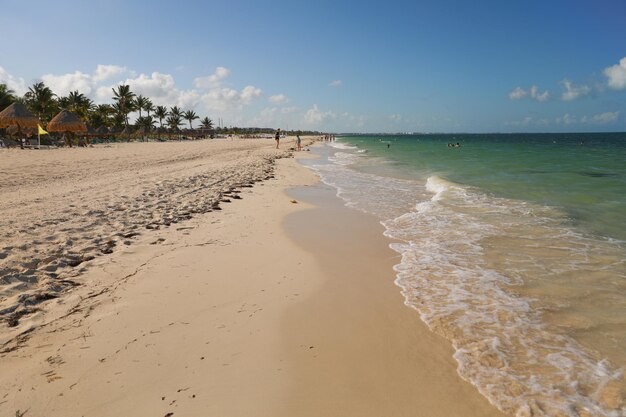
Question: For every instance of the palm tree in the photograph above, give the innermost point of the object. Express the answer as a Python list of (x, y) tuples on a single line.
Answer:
[(206, 123), (149, 107), (190, 116), (119, 116), (145, 122), (175, 111), (7, 96), (100, 116), (40, 100), (124, 100), (145, 125), (174, 120), (77, 103), (140, 103), (161, 113)]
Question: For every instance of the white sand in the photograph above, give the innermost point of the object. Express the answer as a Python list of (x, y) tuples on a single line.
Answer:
[(265, 308)]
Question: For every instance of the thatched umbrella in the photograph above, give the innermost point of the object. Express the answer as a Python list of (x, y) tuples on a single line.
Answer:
[(68, 123), (17, 114), (13, 130)]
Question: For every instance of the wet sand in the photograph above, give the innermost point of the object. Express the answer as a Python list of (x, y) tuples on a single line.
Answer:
[(362, 352)]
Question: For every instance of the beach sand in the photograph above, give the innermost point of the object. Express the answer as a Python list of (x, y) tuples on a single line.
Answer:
[(282, 303)]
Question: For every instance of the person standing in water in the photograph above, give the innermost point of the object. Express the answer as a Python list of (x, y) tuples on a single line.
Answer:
[(277, 137)]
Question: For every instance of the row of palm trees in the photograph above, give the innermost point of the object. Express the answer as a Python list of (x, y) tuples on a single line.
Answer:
[(42, 101)]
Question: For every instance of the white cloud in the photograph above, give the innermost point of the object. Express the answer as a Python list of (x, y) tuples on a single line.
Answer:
[(87, 84), (219, 98), (105, 72), (519, 93), (534, 93), (61, 85), (223, 99), (289, 110), (207, 97), (601, 119), (336, 83), (272, 116), (607, 117), (617, 75), (395, 117), (186, 99), (566, 119), (18, 85), (572, 91), (357, 120), (213, 80), (249, 93), (598, 119), (315, 116), (156, 86), (278, 99)]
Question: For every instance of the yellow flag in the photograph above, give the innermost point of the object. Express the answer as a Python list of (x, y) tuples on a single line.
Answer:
[(41, 131)]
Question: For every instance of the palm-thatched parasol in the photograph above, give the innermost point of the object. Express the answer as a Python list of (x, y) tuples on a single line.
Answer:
[(17, 114), (13, 130), (67, 122)]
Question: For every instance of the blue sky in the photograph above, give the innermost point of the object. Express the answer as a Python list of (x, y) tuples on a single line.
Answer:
[(427, 66)]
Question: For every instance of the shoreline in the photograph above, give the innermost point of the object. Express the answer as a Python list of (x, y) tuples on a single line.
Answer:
[(234, 313), (368, 354)]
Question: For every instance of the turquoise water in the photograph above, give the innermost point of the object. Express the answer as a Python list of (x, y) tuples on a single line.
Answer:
[(512, 247), (584, 174)]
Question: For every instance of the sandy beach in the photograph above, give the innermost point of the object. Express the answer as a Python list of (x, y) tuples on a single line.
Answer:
[(204, 278)]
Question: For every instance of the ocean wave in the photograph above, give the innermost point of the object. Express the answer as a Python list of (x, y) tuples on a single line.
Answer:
[(339, 145), (458, 266), (496, 277)]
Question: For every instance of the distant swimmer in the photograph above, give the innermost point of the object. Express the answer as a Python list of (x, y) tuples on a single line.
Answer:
[(388, 145)]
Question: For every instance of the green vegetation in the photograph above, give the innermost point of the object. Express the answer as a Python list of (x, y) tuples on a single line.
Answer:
[(114, 118)]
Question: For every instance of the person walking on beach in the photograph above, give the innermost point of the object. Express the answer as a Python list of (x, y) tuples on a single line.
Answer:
[(277, 137), (298, 143)]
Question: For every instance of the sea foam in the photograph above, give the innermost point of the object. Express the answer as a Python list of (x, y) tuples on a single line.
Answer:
[(477, 269)]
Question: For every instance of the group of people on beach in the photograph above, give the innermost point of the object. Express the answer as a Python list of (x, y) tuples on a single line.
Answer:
[(329, 138), (298, 140)]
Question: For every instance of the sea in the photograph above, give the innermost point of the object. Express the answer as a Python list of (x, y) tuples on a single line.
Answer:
[(510, 246)]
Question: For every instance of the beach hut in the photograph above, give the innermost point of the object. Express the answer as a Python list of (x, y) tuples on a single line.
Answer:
[(67, 123), (18, 115)]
